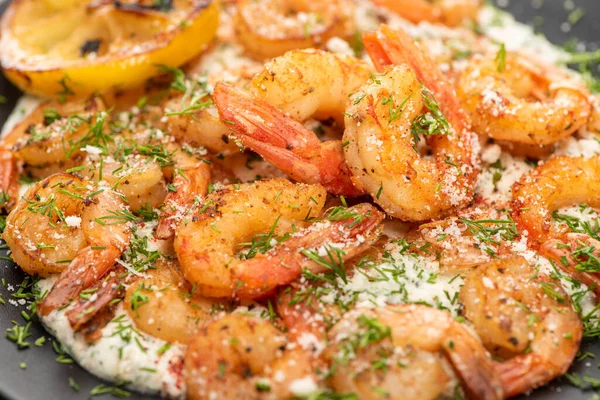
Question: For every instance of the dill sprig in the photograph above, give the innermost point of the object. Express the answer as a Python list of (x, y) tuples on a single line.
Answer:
[(332, 260), (501, 58), (158, 153), (576, 225), (343, 212), (196, 95), (487, 234), (46, 207), (395, 113), (117, 217), (370, 331), (138, 254), (585, 254), (96, 135), (430, 123), (263, 242)]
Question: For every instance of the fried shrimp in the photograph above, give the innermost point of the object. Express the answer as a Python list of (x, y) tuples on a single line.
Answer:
[(56, 220), (515, 100), (284, 142), (525, 318), (559, 182), (292, 88), (269, 28), (69, 226), (47, 139), (448, 12), (311, 83), (206, 245), (381, 152), (162, 304), (140, 179), (383, 122), (414, 342), (239, 357), (153, 172)]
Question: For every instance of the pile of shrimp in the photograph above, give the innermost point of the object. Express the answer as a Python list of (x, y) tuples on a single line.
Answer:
[(264, 207)]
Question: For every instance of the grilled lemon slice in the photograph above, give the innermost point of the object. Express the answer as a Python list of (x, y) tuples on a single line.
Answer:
[(59, 48)]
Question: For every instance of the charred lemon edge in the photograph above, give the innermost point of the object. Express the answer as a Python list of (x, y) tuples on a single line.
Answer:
[(122, 72)]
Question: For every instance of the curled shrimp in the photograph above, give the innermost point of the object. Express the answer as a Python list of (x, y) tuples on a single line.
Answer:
[(524, 317), (269, 28), (46, 140), (140, 167), (206, 244), (67, 225), (413, 342), (311, 83), (559, 182), (383, 121), (243, 357), (515, 100), (294, 87), (284, 142), (448, 12), (131, 163), (162, 304), (56, 219)]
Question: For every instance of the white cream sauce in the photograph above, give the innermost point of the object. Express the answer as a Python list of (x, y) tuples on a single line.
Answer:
[(401, 278), (123, 354), (23, 108)]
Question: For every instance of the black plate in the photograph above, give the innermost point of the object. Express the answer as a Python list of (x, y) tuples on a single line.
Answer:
[(44, 378)]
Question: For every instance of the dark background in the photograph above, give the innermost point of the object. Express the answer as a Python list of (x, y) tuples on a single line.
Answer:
[(44, 378)]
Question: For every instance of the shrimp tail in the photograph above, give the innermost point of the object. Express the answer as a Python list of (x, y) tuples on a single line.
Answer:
[(560, 250), (352, 235), (105, 292), (388, 46), (89, 266), (294, 313), (524, 373), (477, 373), (9, 185), (189, 184), (284, 142)]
